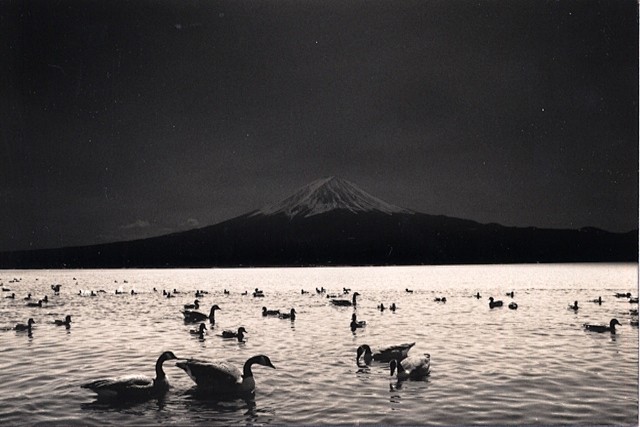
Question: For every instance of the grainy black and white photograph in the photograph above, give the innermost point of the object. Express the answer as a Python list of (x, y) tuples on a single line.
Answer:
[(319, 212)]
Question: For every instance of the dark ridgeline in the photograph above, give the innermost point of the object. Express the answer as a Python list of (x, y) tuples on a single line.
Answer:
[(332, 222)]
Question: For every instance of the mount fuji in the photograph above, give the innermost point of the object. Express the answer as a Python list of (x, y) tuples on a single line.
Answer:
[(328, 194), (333, 222)]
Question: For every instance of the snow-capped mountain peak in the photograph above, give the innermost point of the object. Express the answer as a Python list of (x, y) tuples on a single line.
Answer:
[(329, 194)]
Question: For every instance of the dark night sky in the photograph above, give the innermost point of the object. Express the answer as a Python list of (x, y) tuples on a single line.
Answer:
[(125, 119)]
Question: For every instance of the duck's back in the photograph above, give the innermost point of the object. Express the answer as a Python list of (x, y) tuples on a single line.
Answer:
[(218, 376)]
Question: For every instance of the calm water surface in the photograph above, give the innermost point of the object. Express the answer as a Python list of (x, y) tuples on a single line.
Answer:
[(535, 365)]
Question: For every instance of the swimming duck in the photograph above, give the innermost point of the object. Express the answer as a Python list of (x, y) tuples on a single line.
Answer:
[(65, 322), (493, 303), (199, 331), (12, 296), (35, 304), (56, 288), (513, 305), (28, 297), (414, 367), (291, 315), (603, 328), (440, 299), (633, 300), (222, 377), (346, 302), (597, 301), (239, 334), (195, 305), (23, 327), (302, 292), (355, 323), (226, 292), (477, 295), (381, 307), (410, 291), (245, 293), (574, 307), (383, 354), (134, 386), (196, 316), (621, 295), (266, 312), (393, 307), (510, 294), (45, 299)]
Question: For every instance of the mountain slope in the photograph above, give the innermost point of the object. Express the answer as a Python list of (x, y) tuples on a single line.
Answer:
[(325, 195), (332, 222)]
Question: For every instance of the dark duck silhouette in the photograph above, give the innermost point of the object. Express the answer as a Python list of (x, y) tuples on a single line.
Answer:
[(24, 327), (383, 354), (513, 305), (28, 297), (12, 296), (414, 367), (346, 302), (290, 315), (408, 290), (597, 300), (381, 307), (231, 334), (266, 312), (603, 328), (574, 307), (66, 322), (223, 378), (356, 324), (196, 316), (133, 386), (200, 331), (477, 295), (393, 307), (493, 303), (194, 306), (35, 304)]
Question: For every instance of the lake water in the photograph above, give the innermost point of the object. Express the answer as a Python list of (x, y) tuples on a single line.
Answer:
[(535, 365)]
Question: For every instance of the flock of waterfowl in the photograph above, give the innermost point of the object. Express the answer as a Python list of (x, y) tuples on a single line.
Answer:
[(221, 378)]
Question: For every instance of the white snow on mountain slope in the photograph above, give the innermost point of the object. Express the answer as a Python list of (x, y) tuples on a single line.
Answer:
[(327, 194)]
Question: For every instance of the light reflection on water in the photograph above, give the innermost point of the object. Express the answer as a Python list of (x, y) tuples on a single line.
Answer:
[(534, 365)]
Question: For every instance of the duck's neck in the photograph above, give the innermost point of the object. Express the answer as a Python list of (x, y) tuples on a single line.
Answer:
[(354, 299), (159, 372), (212, 315), (246, 370)]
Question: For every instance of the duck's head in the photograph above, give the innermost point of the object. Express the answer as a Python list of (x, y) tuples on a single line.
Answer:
[(242, 330), (353, 317), (167, 355), (202, 327), (263, 360), (490, 299), (67, 318), (293, 311), (356, 294), (31, 321), (264, 309), (613, 323), (363, 349), (215, 307)]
